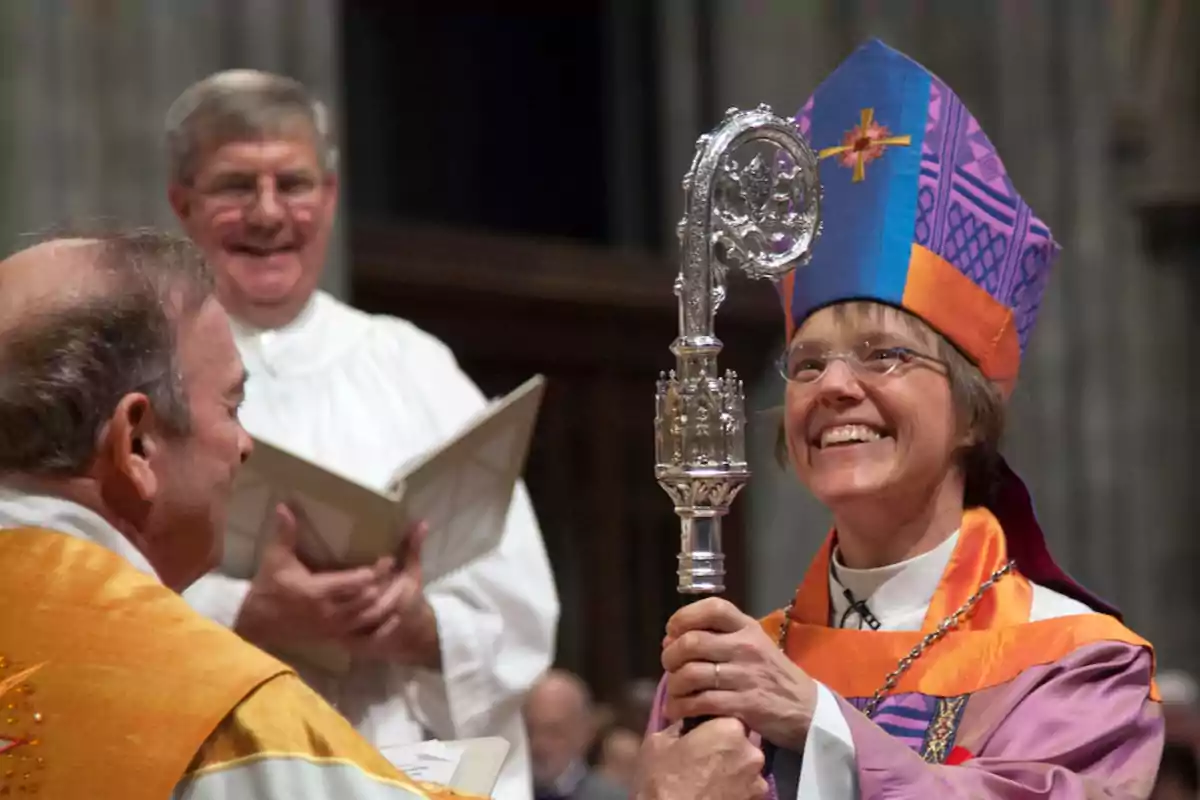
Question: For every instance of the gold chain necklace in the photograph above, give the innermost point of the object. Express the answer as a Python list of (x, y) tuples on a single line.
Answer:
[(948, 624)]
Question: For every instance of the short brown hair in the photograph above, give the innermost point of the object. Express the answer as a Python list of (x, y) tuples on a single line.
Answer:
[(64, 370), (977, 402)]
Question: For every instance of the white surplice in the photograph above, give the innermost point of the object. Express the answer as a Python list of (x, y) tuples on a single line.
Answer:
[(362, 394)]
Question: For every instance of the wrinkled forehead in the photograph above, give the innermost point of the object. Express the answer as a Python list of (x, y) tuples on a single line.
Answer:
[(850, 322), (264, 153), (254, 123)]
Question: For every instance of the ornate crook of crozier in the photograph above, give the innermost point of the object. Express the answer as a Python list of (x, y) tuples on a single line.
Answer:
[(752, 202)]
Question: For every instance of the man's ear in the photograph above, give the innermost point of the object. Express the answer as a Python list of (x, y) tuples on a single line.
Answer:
[(180, 199), (132, 442)]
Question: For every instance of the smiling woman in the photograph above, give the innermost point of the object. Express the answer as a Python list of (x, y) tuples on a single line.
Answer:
[(883, 341), (933, 648)]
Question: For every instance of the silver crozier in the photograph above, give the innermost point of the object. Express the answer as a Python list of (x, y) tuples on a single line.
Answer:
[(752, 202)]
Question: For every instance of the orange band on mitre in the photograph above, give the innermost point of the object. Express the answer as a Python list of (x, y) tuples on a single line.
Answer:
[(955, 306), (964, 313)]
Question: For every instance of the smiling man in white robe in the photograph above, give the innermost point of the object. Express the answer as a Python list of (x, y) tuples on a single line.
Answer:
[(253, 180)]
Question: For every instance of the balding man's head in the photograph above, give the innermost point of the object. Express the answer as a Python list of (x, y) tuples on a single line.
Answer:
[(558, 714), (65, 273), (50, 274), (119, 383), (84, 321), (562, 689)]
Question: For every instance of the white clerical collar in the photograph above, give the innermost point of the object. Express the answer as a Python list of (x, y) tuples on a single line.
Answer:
[(244, 332), (325, 331), (893, 592), (20, 509)]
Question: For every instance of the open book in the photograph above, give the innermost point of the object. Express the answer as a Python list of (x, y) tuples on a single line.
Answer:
[(470, 766), (462, 489)]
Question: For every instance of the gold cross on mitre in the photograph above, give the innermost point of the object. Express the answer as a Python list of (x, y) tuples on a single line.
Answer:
[(863, 144)]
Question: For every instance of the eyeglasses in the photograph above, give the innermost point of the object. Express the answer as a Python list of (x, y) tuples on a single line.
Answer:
[(299, 191), (806, 363)]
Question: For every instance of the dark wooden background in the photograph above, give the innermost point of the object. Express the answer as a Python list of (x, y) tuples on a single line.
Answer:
[(597, 323), (513, 162)]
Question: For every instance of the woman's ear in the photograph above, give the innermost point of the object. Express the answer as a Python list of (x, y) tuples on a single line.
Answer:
[(969, 438), (131, 443), (1004, 387)]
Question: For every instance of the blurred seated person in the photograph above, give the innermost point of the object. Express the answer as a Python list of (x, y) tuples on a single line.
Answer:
[(560, 720), (616, 755), (1178, 773), (1179, 697), (604, 716), (637, 704), (119, 442), (615, 749)]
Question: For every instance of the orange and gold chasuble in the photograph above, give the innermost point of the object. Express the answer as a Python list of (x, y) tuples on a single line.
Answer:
[(990, 647), (113, 688)]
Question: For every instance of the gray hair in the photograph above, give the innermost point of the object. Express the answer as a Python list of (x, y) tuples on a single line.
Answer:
[(242, 105), (65, 368)]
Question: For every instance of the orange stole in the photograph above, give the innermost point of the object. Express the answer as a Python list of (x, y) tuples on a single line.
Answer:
[(992, 646), (114, 681)]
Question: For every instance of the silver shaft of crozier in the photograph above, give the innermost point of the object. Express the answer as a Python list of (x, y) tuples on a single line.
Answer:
[(701, 559)]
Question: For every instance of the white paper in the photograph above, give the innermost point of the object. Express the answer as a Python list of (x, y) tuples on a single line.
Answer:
[(463, 493), (471, 766), (432, 762)]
